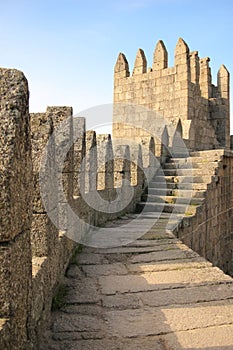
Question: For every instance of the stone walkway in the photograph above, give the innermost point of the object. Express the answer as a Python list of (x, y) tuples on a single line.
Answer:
[(154, 294)]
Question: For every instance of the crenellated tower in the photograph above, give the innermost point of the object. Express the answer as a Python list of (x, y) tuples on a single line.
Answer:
[(182, 95)]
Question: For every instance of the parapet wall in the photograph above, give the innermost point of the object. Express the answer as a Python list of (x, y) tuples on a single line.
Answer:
[(182, 94), (210, 231), (43, 192)]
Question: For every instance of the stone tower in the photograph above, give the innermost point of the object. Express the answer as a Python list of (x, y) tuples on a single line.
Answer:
[(181, 98)]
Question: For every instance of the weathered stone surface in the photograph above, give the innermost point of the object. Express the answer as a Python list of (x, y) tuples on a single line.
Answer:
[(90, 259), (105, 270), (160, 321), (156, 292), (179, 94), (214, 338), (170, 254), (16, 287), (15, 155), (160, 280), (79, 323), (149, 343), (113, 302), (122, 301), (168, 265), (4, 334), (83, 291), (43, 235)]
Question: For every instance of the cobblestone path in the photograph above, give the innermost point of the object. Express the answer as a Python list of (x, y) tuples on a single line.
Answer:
[(154, 294)]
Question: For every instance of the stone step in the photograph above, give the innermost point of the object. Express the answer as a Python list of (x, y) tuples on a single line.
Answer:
[(177, 192), (208, 153), (205, 171), (165, 207), (172, 199), (182, 179), (178, 186), (183, 160), (195, 159), (191, 165), (180, 155)]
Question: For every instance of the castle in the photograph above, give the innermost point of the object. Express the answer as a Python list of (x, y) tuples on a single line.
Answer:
[(163, 112), (183, 95)]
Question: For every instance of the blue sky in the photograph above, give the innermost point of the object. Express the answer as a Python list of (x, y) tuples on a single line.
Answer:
[(67, 48)]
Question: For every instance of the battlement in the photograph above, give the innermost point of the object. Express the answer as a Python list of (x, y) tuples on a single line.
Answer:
[(188, 66), (183, 92), (58, 182)]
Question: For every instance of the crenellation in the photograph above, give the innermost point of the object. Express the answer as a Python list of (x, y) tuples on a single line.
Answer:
[(140, 64), (183, 91), (14, 116), (194, 67), (79, 129), (223, 82), (51, 166), (205, 78), (160, 58), (105, 161), (181, 53), (91, 161), (122, 67)]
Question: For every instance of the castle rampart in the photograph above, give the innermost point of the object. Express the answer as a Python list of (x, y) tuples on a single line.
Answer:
[(45, 169), (182, 93), (43, 189)]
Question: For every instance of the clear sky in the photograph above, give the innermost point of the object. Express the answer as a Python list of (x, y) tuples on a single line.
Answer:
[(67, 48)]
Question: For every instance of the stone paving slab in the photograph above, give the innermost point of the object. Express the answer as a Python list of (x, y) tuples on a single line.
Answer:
[(155, 321), (105, 270), (160, 280), (131, 249), (180, 296), (169, 265), (210, 338), (153, 294), (152, 343), (165, 255)]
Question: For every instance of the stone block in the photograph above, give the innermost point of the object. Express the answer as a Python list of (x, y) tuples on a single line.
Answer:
[(15, 279), (5, 338), (43, 235), (15, 155)]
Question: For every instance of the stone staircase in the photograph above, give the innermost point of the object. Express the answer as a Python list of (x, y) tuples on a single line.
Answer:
[(154, 293), (179, 188)]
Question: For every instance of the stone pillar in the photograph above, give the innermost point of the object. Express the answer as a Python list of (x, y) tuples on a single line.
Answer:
[(16, 204)]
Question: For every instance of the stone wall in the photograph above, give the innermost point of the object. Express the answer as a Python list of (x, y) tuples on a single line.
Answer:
[(181, 97), (16, 208), (210, 231), (57, 182), (52, 197)]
